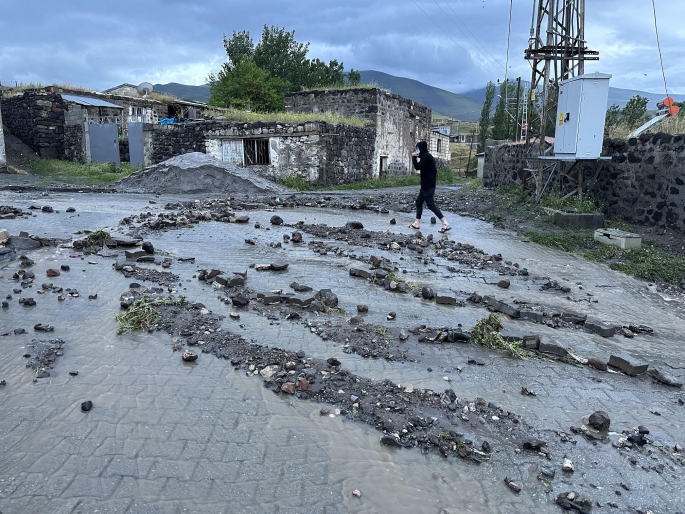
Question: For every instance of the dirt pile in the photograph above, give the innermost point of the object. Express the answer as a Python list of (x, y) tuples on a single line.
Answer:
[(196, 173)]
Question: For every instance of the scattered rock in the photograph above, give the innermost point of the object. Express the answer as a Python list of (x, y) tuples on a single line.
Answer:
[(357, 493), (86, 406), (189, 356), (362, 308), (504, 284), (391, 440), (276, 220), (288, 388), (296, 237), (73, 373), (665, 378), (568, 466), (52, 273), (40, 327), (510, 483), (597, 364), (599, 420), (64, 267), (327, 297), (148, 248), (354, 225)]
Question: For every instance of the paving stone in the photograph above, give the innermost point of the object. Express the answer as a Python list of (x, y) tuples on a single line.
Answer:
[(528, 315), (665, 378), (573, 317), (601, 328), (355, 272), (627, 364), (445, 298), (553, 348), (500, 306)]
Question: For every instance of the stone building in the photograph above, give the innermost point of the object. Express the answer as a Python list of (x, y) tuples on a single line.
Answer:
[(439, 147), (3, 158), (52, 120), (400, 123), (318, 152)]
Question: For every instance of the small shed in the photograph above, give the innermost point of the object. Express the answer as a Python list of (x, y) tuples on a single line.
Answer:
[(481, 164), (80, 107)]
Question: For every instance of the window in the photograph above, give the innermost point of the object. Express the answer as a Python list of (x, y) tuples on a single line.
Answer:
[(256, 152)]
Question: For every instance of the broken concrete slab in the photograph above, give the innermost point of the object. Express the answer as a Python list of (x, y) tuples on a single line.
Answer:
[(531, 342), (20, 243), (528, 315), (573, 317), (620, 238), (499, 306), (445, 298), (361, 273), (553, 348), (133, 255), (601, 328), (578, 220), (627, 365), (665, 378), (300, 301), (269, 298)]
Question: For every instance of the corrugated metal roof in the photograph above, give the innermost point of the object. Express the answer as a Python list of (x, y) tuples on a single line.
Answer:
[(95, 102)]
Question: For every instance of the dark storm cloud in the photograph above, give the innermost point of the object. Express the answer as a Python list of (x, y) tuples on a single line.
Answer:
[(454, 44)]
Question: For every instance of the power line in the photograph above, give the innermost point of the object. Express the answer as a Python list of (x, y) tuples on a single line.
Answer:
[(469, 31), (506, 66), (453, 41), (495, 64), (658, 45)]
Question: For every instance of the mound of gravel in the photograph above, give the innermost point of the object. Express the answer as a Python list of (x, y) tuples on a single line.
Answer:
[(198, 173)]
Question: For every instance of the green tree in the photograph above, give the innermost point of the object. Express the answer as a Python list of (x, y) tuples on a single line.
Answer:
[(613, 118), (354, 78), (503, 122), (484, 122), (633, 114), (238, 48), (283, 57), (246, 83)]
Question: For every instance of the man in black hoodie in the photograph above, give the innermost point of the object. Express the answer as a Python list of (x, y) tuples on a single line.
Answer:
[(425, 163)]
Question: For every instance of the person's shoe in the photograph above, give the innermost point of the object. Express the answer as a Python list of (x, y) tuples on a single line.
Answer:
[(445, 229), (413, 225)]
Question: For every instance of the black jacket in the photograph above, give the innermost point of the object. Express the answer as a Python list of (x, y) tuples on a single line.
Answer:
[(425, 163)]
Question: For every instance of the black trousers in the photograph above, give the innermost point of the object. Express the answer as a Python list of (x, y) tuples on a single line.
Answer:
[(427, 195)]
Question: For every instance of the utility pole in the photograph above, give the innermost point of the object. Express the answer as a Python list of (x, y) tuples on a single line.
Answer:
[(557, 51)]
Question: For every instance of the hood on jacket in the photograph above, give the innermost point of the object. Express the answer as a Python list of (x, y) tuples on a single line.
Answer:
[(423, 147)]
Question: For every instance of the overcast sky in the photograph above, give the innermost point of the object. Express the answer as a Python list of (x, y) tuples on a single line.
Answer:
[(457, 45)]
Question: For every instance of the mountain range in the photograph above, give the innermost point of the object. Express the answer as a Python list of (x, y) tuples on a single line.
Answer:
[(465, 106)]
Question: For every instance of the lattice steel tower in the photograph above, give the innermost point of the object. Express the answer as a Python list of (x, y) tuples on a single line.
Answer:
[(557, 50)]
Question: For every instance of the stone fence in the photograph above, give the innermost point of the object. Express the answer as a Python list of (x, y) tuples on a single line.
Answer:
[(643, 183)]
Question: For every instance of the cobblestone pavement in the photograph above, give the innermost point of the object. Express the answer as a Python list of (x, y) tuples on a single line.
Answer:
[(167, 436)]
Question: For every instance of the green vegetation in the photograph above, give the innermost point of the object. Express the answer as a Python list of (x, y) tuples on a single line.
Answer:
[(259, 74), (620, 123), (384, 332), (519, 195), (487, 333), (142, 314), (233, 114), (94, 174), (485, 116), (472, 183), (294, 181), (96, 239), (646, 263)]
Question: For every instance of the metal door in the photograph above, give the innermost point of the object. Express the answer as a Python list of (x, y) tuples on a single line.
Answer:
[(135, 144), (232, 151), (104, 143)]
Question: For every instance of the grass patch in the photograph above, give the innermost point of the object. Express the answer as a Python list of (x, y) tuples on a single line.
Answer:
[(92, 174), (96, 239), (142, 314), (486, 332), (473, 183), (384, 332), (646, 263), (299, 183), (572, 204), (286, 117)]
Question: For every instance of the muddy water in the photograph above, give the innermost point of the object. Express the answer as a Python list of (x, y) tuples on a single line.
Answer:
[(143, 444)]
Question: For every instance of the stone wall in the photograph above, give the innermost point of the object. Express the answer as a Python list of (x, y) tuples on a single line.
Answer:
[(400, 123), (3, 158), (74, 143), (319, 152), (643, 183), (37, 118)]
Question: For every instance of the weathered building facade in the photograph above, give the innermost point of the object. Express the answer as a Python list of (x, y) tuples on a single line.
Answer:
[(439, 147), (3, 158), (318, 152), (400, 123)]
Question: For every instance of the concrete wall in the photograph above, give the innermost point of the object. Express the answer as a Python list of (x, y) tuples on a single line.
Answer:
[(318, 152), (37, 118), (3, 157), (400, 123), (439, 147), (643, 183)]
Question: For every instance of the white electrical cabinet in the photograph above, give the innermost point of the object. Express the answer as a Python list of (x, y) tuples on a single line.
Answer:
[(580, 116)]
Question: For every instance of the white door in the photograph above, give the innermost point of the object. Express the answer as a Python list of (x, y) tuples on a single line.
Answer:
[(232, 151)]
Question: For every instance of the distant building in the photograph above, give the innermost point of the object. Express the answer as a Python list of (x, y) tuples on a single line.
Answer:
[(442, 129), (439, 147)]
